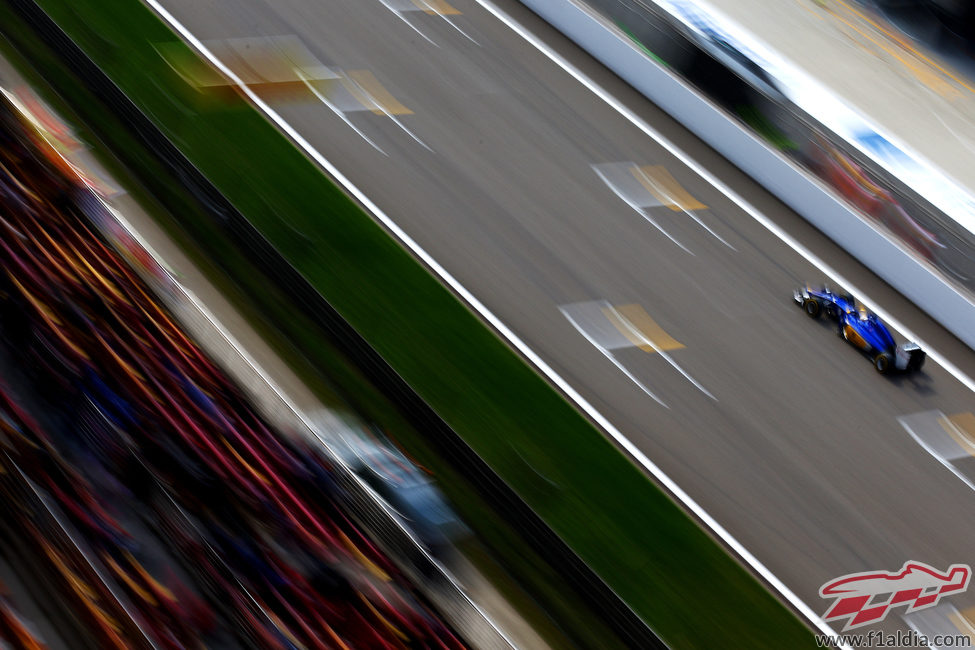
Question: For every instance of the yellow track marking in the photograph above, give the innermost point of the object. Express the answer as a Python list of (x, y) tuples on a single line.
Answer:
[(665, 188), (371, 93), (628, 318), (963, 621), (436, 7), (961, 428)]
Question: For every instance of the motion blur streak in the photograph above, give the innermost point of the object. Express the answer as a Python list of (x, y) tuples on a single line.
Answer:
[(503, 329)]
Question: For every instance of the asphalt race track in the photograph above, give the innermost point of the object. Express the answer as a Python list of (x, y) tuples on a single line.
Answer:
[(538, 196)]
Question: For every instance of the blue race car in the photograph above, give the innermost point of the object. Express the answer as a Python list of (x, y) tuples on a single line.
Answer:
[(862, 329)]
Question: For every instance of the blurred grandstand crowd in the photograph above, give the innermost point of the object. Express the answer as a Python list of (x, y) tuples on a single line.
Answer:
[(158, 506)]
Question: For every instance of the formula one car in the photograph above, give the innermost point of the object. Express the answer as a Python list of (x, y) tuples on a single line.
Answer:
[(862, 329)]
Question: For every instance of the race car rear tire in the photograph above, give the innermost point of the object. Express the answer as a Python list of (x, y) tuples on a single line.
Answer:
[(812, 307), (916, 361), (883, 362)]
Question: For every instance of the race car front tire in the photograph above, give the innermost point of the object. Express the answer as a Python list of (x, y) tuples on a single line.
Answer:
[(812, 307)]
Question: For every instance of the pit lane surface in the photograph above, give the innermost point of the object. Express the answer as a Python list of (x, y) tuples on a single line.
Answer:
[(784, 434)]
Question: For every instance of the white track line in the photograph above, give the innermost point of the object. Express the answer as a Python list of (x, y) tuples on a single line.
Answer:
[(334, 109), (430, 8), (643, 212), (944, 461), (399, 14), (385, 112), (609, 355), (638, 334), (689, 213), (677, 492)]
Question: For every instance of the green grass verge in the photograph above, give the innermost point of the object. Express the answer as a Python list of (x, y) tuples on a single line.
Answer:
[(656, 558)]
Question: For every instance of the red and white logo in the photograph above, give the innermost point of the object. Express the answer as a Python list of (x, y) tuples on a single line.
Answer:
[(867, 597)]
